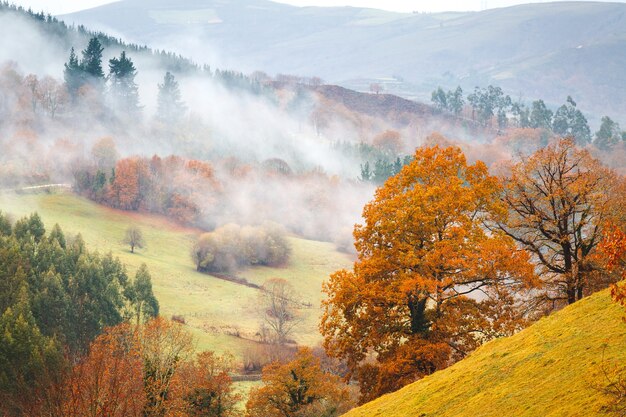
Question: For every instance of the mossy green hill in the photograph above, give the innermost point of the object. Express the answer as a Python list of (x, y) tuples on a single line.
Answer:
[(548, 369)]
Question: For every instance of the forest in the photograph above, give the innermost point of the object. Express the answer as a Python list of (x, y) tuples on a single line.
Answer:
[(356, 243)]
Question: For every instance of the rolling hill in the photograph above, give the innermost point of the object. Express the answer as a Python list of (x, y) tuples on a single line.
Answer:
[(548, 369), (547, 51), (223, 315)]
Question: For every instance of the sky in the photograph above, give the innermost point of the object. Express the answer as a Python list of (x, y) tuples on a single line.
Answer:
[(68, 6)]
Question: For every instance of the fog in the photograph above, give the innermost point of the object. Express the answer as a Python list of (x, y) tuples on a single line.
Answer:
[(319, 198)]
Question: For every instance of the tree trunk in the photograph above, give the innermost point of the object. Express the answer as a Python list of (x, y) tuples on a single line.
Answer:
[(417, 308)]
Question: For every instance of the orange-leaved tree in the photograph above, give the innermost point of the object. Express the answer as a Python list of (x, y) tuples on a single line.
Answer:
[(613, 246), (203, 386), (299, 388), (558, 199), (109, 381), (431, 282)]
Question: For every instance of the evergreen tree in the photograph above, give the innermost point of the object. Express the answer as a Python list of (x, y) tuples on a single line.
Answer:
[(92, 60), (124, 90), (141, 296), (608, 135), (569, 121), (73, 75), (455, 100), (540, 115), (170, 106), (439, 99)]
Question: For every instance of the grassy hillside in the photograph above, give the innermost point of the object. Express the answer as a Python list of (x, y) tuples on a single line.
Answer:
[(546, 370), (215, 309)]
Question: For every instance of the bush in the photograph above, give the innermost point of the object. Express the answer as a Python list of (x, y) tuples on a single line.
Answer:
[(231, 247)]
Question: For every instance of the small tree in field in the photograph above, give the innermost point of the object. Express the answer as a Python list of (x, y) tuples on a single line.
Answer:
[(279, 308), (134, 238)]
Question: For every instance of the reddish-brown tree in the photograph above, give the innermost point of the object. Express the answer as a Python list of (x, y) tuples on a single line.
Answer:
[(558, 201), (108, 382)]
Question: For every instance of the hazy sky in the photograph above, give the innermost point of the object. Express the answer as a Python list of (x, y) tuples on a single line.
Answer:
[(66, 6)]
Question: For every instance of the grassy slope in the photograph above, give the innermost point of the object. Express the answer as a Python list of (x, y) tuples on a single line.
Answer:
[(212, 307), (545, 370)]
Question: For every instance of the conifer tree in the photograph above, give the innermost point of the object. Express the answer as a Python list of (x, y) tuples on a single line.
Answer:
[(73, 75), (170, 106), (92, 59), (124, 90)]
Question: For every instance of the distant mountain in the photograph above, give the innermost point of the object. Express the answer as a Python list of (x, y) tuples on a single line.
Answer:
[(547, 51)]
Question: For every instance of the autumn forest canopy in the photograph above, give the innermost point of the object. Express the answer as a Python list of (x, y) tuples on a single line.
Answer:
[(357, 241)]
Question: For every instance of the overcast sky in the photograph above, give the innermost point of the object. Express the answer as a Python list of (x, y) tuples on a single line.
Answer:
[(67, 6)]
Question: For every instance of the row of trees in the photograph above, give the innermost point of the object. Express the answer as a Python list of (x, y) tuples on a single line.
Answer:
[(166, 186), (491, 102), (56, 297), (450, 257), (86, 77)]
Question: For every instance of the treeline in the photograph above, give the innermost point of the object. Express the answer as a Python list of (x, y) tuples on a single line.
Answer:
[(489, 104), (58, 31), (56, 297), (168, 186)]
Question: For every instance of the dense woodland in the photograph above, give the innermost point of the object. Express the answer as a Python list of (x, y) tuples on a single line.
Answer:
[(462, 242)]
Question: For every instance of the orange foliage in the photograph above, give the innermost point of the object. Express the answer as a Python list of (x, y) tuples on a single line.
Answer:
[(389, 141), (130, 175), (299, 388), (614, 247), (109, 381), (203, 386), (422, 251)]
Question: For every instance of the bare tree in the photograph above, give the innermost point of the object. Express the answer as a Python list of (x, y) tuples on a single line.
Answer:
[(279, 308), (134, 238)]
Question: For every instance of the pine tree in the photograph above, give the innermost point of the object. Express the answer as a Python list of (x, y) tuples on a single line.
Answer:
[(170, 106), (124, 90), (73, 75), (92, 59)]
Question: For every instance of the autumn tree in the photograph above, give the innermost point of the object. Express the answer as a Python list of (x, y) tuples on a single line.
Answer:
[(299, 388), (130, 183), (165, 345), (431, 283), (203, 386), (108, 382), (52, 96), (105, 154), (279, 307), (558, 200), (613, 246), (134, 238)]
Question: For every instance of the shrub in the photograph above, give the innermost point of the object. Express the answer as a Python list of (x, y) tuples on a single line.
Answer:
[(231, 247)]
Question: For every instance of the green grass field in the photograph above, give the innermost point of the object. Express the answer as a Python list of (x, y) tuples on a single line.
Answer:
[(214, 309), (548, 369)]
